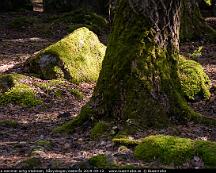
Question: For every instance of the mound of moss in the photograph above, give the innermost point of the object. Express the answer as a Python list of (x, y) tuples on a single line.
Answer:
[(170, 149), (101, 161), (12, 90), (99, 129), (194, 81), (77, 58)]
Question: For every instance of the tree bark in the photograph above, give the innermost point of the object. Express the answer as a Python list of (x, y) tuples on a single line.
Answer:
[(193, 25), (138, 82)]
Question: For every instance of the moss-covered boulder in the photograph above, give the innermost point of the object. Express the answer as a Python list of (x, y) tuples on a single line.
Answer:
[(77, 58), (194, 81), (13, 89), (170, 149)]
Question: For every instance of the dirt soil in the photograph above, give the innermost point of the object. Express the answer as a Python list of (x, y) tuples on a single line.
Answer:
[(17, 44)]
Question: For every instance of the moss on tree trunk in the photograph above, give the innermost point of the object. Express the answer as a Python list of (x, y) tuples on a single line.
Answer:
[(193, 25)]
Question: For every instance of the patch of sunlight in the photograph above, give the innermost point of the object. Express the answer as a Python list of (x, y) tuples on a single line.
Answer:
[(23, 40)]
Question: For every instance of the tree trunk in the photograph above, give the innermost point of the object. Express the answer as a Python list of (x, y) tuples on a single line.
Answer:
[(193, 25), (138, 82)]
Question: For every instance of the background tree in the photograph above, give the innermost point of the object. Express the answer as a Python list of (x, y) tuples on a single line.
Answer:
[(193, 25)]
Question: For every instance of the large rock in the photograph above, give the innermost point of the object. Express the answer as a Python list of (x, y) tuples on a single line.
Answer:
[(77, 58)]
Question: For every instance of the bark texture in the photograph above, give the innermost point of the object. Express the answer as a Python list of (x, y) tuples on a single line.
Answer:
[(193, 25)]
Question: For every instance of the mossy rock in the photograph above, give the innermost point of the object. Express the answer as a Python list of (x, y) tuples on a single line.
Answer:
[(175, 150), (77, 58), (102, 161), (12, 90), (194, 81)]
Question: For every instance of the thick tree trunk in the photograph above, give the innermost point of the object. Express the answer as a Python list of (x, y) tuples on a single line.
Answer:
[(193, 25), (138, 82)]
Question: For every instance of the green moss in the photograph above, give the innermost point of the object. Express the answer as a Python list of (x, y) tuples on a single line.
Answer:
[(170, 149), (16, 92), (207, 151), (44, 143), (8, 123), (99, 129), (31, 163), (76, 93), (101, 161), (69, 127), (194, 81), (50, 84), (126, 141), (58, 93), (77, 58)]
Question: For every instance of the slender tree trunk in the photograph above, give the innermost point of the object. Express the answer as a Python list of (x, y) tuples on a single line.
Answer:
[(193, 25), (138, 82)]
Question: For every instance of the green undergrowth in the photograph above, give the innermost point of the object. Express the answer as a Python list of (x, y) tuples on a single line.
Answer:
[(170, 149), (15, 92), (44, 143), (50, 84), (77, 58), (98, 130), (101, 161), (77, 93), (9, 123), (127, 141), (194, 81)]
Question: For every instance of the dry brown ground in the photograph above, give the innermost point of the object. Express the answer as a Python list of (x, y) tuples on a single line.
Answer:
[(18, 144)]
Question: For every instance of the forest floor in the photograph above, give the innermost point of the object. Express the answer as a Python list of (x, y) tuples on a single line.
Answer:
[(19, 40)]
